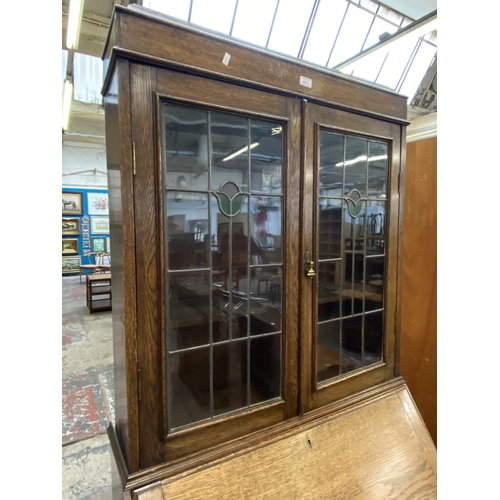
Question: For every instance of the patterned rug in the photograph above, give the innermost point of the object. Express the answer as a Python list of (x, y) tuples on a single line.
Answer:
[(87, 366)]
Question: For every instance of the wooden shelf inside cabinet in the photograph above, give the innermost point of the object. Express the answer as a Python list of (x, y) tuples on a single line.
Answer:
[(99, 292)]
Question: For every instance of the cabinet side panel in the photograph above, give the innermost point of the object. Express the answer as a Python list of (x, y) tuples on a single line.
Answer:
[(419, 296), (120, 187)]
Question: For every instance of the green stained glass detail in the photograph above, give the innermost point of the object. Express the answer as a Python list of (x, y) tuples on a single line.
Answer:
[(230, 199), (354, 203)]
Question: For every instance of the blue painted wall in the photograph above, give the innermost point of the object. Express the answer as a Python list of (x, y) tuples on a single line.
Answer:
[(84, 260)]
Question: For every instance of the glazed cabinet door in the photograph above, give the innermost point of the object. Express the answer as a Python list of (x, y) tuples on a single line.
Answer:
[(217, 223), (350, 245)]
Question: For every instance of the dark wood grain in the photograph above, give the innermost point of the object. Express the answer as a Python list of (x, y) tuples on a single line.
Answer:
[(170, 41), (143, 82), (375, 450), (419, 299), (342, 121), (158, 62), (177, 87), (122, 237)]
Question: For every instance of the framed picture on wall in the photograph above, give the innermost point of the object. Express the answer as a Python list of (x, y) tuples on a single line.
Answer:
[(98, 244), (85, 227), (72, 203), (86, 244), (99, 225), (85, 219), (70, 245), (70, 226), (97, 203), (86, 236), (108, 244), (70, 264)]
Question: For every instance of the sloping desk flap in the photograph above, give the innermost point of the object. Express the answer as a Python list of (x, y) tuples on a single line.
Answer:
[(380, 450)]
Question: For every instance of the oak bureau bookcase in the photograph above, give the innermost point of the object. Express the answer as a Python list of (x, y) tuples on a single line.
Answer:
[(255, 213)]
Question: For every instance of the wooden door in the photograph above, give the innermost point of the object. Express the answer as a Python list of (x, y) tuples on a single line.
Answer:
[(349, 253), (217, 218)]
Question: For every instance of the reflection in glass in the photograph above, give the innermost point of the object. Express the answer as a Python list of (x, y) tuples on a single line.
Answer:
[(331, 163), (377, 169), (266, 231), (330, 227), (328, 278), (189, 310), (374, 287), (223, 245), (374, 333), (186, 151), (356, 150), (187, 230), (266, 159), (266, 304), (230, 376), (352, 341), (189, 387), (229, 141), (351, 229), (328, 351), (265, 372), (375, 228)]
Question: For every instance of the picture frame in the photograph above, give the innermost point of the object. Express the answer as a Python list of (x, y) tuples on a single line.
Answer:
[(98, 244), (86, 236), (108, 244), (72, 203), (71, 265), (97, 203), (85, 227), (70, 226), (70, 245), (86, 244), (99, 225)]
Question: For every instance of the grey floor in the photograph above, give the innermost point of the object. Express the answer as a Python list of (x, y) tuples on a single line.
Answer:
[(87, 404)]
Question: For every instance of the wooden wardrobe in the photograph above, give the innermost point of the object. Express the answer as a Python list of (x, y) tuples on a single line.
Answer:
[(256, 212)]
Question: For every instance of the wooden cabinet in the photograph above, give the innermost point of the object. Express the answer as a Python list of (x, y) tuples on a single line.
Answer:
[(254, 229)]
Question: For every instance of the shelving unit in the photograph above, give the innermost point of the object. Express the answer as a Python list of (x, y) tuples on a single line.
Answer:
[(99, 292)]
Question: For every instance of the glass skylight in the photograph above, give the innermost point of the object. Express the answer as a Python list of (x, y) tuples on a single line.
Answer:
[(253, 20), (216, 15), (178, 9), (324, 31), (290, 25), (338, 30), (87, 78), (352, 34)]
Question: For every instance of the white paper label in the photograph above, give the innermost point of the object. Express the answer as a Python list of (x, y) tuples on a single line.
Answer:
[(226, 58), (306, 82)]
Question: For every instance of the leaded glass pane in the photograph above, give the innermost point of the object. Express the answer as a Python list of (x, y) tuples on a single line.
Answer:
[(351, 230), (223, 181)]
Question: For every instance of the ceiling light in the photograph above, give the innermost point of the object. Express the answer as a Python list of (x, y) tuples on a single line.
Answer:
[(239, 151), (74, 22), (360, 159), (67, 98)]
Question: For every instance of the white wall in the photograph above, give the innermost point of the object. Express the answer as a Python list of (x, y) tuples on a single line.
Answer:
[(84, 165)]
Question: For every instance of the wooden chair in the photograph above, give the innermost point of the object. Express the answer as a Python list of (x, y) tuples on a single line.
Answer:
[(98, 262)]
